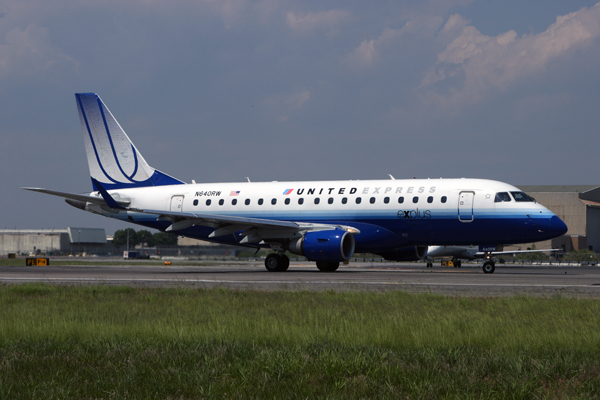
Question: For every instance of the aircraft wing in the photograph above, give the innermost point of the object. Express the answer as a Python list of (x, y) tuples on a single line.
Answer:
[(469, 253), (254, 230), (482, 253)]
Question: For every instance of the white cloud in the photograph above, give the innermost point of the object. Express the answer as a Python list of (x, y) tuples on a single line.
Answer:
[(282, 106), (367, 53), (297, 99), (25, 53), (319, 20), (363, 55), (473, 63)]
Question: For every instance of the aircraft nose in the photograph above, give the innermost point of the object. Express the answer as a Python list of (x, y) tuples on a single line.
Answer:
[(555, 227)]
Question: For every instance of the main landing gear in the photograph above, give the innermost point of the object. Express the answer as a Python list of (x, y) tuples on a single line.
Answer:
[(280, 262), (456, 262), (327, 266), (277, 263)]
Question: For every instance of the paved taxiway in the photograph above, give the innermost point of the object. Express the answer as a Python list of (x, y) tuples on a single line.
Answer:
[(468, 280)]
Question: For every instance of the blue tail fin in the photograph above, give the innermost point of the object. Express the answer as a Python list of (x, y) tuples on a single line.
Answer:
[(113, 159)]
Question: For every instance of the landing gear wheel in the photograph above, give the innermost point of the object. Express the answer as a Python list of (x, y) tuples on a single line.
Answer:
[(455, 262), (429, 265), (327, 266), (488, 267), (285, 263), (277, 263), (458, 264)]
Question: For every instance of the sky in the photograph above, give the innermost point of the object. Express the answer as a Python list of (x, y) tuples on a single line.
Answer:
[(217, 91)]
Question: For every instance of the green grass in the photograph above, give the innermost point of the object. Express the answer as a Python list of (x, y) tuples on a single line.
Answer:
[(123, 342)]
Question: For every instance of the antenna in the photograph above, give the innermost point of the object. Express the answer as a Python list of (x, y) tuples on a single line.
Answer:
[(391, 177), (248, 179)]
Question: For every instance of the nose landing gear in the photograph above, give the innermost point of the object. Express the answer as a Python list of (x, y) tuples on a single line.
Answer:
[(488, 266)]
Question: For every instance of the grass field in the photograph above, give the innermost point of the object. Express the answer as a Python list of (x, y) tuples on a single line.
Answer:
[(122, 342)]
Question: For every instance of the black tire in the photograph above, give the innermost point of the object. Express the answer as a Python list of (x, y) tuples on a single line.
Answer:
[(285, 263), (273, 263), (327, 266), (429, 265), (488, 267), (458, 264)]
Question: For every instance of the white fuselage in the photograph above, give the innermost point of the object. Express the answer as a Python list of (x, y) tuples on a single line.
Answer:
[(388, 213)]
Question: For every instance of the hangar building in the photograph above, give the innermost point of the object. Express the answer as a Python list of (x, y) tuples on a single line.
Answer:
[(46, 241)]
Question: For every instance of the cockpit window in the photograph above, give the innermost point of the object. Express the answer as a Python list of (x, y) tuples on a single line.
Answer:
[(520, 196), (502, 196)]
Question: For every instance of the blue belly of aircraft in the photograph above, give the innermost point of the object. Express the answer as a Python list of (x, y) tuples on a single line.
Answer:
[(386, 230)]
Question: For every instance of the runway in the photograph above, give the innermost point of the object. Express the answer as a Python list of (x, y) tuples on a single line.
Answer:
[(410, 277)]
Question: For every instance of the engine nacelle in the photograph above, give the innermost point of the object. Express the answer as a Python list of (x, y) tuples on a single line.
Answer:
[(412, 253), (334, 245)]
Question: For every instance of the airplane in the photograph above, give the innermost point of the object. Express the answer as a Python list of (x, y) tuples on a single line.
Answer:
[(324, 221), (470, 253)]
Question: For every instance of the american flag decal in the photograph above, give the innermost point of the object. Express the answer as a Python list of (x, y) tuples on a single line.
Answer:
[(288, 191), (234, 193)]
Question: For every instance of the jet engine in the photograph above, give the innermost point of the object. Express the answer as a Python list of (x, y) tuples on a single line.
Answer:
[(412, 253), (334, 245)]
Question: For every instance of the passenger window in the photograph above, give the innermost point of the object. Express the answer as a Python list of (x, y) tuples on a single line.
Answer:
[(330, 200), (221, 202), (317, 200), (444, 198), (358, 200), (416, 199), (260, 202), (386, 200), (273, 201), (502, 197), (287, 200), (301, 200), (233, 202), (247, 202), (430, 199), (372, 200), (196, 202), (401, 199), (208, 202), (344, 200)]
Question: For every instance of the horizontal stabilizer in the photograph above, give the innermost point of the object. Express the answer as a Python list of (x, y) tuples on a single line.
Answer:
[(79, 197)]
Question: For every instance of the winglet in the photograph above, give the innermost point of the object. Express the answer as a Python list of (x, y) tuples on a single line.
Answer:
[(107, 197)]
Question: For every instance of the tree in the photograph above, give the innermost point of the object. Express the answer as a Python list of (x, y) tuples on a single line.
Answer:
[(165, 239), (120, 238), (146, 238)]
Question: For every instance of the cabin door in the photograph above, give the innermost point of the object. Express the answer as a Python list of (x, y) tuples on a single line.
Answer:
[(465, 206)]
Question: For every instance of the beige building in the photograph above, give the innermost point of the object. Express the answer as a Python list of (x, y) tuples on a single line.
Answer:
[(578, 206), (46, 241)]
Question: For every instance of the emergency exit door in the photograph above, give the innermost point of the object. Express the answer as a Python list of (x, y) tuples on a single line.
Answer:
[(177, 203)]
